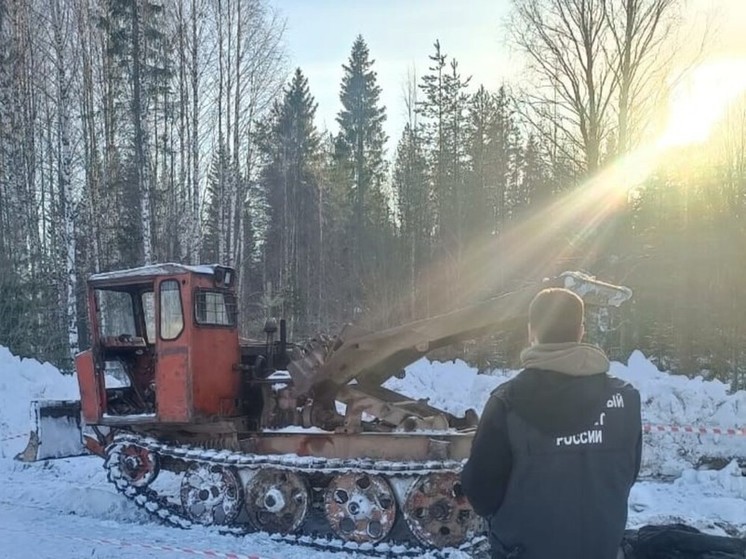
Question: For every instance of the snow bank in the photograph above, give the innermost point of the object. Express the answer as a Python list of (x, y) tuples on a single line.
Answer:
[(677, 400), (70, 486), (21, 381), (454, 386), (666, 400)]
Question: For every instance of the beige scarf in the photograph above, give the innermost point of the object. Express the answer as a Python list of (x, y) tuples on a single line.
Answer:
[(572, 358)]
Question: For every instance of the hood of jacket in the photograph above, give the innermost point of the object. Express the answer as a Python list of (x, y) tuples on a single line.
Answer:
[(571, 358), (563, 388)]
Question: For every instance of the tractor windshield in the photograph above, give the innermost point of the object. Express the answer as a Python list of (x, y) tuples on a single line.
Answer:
[(116, 316), (118, 313)]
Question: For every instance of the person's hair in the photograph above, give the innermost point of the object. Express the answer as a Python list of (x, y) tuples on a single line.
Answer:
[(556, 316)]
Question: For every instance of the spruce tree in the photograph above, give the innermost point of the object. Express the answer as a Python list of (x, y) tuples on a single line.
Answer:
[(412, 188), (359, 153), (361, 137), (289, 145), (136, 71), (481, 202), (445, 125)]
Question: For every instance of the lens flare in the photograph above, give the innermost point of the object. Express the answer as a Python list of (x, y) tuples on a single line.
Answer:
[(701, 99)]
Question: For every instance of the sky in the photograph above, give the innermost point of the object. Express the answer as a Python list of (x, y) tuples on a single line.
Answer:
[(400, 36)]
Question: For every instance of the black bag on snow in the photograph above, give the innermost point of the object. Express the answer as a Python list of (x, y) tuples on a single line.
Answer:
[(678, 541)]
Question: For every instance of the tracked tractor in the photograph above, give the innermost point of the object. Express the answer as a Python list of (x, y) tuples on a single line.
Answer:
[(199, 426)]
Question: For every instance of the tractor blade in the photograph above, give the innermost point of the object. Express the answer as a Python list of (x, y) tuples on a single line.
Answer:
[(56, 433)]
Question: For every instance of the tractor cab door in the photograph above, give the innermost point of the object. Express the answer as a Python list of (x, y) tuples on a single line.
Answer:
[(173, 376)]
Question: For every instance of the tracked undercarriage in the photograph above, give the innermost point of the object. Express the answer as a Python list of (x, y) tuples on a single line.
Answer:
[(376, 506)]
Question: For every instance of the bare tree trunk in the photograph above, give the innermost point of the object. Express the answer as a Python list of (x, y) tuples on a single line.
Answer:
[(237, 199), (221, 139), (90, 138), (566, 43), (142, 167), (639, 29), (195, 239), (61, 30), (184, 186)]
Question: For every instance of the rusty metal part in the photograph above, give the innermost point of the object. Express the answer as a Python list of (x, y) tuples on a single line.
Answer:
[(138, 465), (391, 408), (438, 513), (373, 446), (373, 357), (307, 360), (360, 507), (211, 494), (277, 501)]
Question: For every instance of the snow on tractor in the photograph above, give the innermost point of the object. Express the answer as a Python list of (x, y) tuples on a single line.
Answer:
[(199, 426)]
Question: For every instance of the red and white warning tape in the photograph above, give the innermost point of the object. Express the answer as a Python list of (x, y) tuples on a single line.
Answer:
[(734, 432)]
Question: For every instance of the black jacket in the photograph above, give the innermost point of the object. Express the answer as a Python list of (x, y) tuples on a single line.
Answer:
[(552, 463)]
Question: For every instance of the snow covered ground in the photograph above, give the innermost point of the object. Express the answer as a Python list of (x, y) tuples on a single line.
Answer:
[(65, 509)]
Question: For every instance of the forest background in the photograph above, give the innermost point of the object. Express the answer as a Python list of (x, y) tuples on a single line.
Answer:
[(140, 131)]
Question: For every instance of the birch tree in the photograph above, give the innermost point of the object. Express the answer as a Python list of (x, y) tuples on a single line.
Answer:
[(63, 37)]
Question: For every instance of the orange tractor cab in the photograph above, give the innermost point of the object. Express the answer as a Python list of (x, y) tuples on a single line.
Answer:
[(165, 350)]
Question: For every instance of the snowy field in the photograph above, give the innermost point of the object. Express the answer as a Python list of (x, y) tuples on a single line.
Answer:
[(65, 509)]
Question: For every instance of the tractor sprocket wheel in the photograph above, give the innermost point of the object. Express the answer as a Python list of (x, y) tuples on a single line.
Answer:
[(277, 501), (138, 465), (437, 511), (360, 507), (211, 494)]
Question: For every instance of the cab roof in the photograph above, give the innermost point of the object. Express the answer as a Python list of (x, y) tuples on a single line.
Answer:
[(154, 270)]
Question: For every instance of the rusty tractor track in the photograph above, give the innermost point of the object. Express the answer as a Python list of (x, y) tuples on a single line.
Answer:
[(172, 514)]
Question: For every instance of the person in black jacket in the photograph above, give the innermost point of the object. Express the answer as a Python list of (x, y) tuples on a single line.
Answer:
[(558, 447)]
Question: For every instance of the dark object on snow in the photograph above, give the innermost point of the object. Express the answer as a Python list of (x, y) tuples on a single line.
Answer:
[(678, 541)]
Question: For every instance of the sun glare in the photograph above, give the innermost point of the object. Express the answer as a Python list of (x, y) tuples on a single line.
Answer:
[(700, 101)]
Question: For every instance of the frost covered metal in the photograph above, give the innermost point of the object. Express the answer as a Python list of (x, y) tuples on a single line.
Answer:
[(167, 269), (594, 291)]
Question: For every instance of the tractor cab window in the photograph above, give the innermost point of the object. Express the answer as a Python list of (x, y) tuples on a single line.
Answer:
[(172, 317), (215, 308), (116, 316), (148, 312)]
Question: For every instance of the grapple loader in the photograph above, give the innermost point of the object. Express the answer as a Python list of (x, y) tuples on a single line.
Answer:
[(199, 426)]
